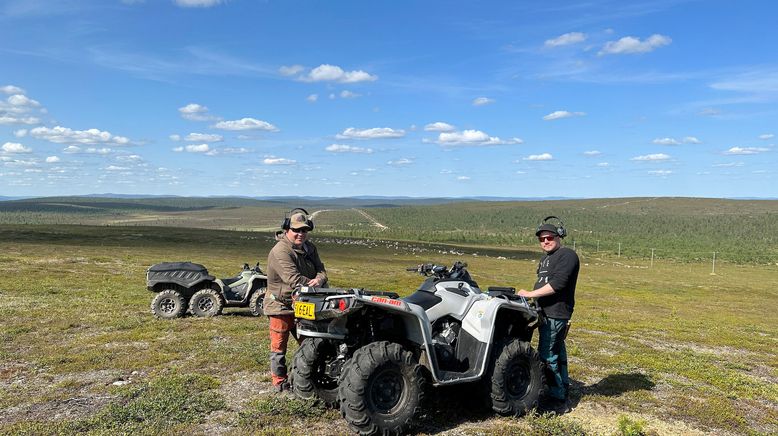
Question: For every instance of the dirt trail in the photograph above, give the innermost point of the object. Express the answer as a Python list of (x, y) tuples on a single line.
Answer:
[(372, 220)]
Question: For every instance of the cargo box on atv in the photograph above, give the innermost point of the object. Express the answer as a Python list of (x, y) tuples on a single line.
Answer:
[(186, 274)]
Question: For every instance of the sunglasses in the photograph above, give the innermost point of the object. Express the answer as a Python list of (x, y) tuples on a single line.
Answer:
[(303, 230), (546, 238)]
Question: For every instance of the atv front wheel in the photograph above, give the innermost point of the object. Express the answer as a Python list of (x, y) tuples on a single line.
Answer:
[(310, 371), (206, 303), (257, 302), (381, 390), (516, 378), (168, 304)]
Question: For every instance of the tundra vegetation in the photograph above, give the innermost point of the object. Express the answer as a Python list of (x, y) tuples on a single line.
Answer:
[(662, 348)]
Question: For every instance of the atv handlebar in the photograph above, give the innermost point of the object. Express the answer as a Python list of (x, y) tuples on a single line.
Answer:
[(430, 269)]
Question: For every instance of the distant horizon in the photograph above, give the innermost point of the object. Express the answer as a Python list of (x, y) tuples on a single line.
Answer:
[(517, 99)]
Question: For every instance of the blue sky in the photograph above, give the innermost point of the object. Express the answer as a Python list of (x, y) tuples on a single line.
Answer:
[(412, 98)]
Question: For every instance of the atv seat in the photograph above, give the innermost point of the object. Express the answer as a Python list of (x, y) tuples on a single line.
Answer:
[(231, 280)]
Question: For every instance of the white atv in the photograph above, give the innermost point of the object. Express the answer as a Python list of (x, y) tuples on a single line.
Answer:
[(374, 354)]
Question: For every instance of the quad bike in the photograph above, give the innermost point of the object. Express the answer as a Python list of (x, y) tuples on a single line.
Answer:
[(374, 354), (182, 285)]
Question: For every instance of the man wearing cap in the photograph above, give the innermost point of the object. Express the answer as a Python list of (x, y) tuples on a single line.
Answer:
[(292, 262), (555, 294)]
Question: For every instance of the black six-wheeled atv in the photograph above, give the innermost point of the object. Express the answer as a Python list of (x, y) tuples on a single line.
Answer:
[(185, 285)]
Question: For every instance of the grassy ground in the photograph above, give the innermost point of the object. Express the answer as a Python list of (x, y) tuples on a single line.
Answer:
[(669, 349)]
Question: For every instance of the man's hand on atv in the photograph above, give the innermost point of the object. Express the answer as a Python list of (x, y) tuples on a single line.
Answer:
[(524, 293), (314, 282)]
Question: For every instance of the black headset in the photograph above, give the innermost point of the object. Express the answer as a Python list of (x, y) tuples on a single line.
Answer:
[(560, 228), (287, 224)]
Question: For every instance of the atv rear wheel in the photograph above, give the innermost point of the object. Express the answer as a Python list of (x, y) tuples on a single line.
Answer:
[(381, 390), (310, 372), (516, 378), (168, 304), (257, 302), (206, 303)]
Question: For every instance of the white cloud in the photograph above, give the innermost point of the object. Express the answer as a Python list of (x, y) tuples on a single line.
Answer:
[(665, 141), (592, 153), (746, 150), (539, 157), (194, 148), (349, 94), (339, 148), (52, 159), (652, 157), (64, 135), (278, 161), (333, 73), (660, 173), (312, 98), (439, 127), (766, 136), (10, 89), (234, 150), (21, 133), (603, 164), (728, 165), (129, 158), (204, 137), (10, 119), (691, 140), (400, 162), (15, 147), (558, 115), (196, 112), (463, 178), (291, 70), (246, 124), (566, 39), (175, 137), (631, 44), (374, 133), (482, 101), (22, 100), (116, 168), (198, 3), (71, 149), (473, 138)]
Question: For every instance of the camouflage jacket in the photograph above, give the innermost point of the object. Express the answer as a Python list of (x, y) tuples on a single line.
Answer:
[(287, 268)]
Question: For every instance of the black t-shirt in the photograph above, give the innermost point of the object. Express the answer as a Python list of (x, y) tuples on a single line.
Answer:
[(560, 269)]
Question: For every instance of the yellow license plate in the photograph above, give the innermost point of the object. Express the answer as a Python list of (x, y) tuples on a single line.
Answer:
[(304, 310)]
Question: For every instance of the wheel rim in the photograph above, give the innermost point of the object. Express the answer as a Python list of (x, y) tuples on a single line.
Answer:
[(167, 305), (518, 376), (386, 390), (205, 304)]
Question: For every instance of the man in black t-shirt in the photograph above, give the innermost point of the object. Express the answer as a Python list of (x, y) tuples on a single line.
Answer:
[(555, 293)]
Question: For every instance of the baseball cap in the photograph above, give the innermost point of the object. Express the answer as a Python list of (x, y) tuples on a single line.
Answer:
[(299, 221), (547, 228)]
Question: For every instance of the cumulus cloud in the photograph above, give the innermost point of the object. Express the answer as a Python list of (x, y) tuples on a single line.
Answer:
[(766, 136), (278, 161), (129, 158), (728, 165), (246, 124), (349, 94), (592, 153), (22, 100), (339, 148), (632, 45), (234, 150), (65, 135), (312, 98), (439, 127), (52, 159), (474, 138), (204, 137), (558, 115), (539, 157), (709, 112), (196, 112), (116, 168), (603, 164), (463, 178), (481, 101), (194, 148), (652, 157), (15, 147), (665, 141), (71, 149), (291, 70), (334, 73), (198, 3), (660, 172), (566, 39), (691, 140), (746, 150), (21, 133), (374, 133), (400, 162), (10, 89), (175, 137), (11, 119)]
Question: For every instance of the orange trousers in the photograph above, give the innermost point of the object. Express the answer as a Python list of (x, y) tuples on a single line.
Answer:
[(281, 326)]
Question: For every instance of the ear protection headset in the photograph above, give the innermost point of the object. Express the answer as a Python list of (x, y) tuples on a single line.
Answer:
[(560, 228), (287, 224)]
